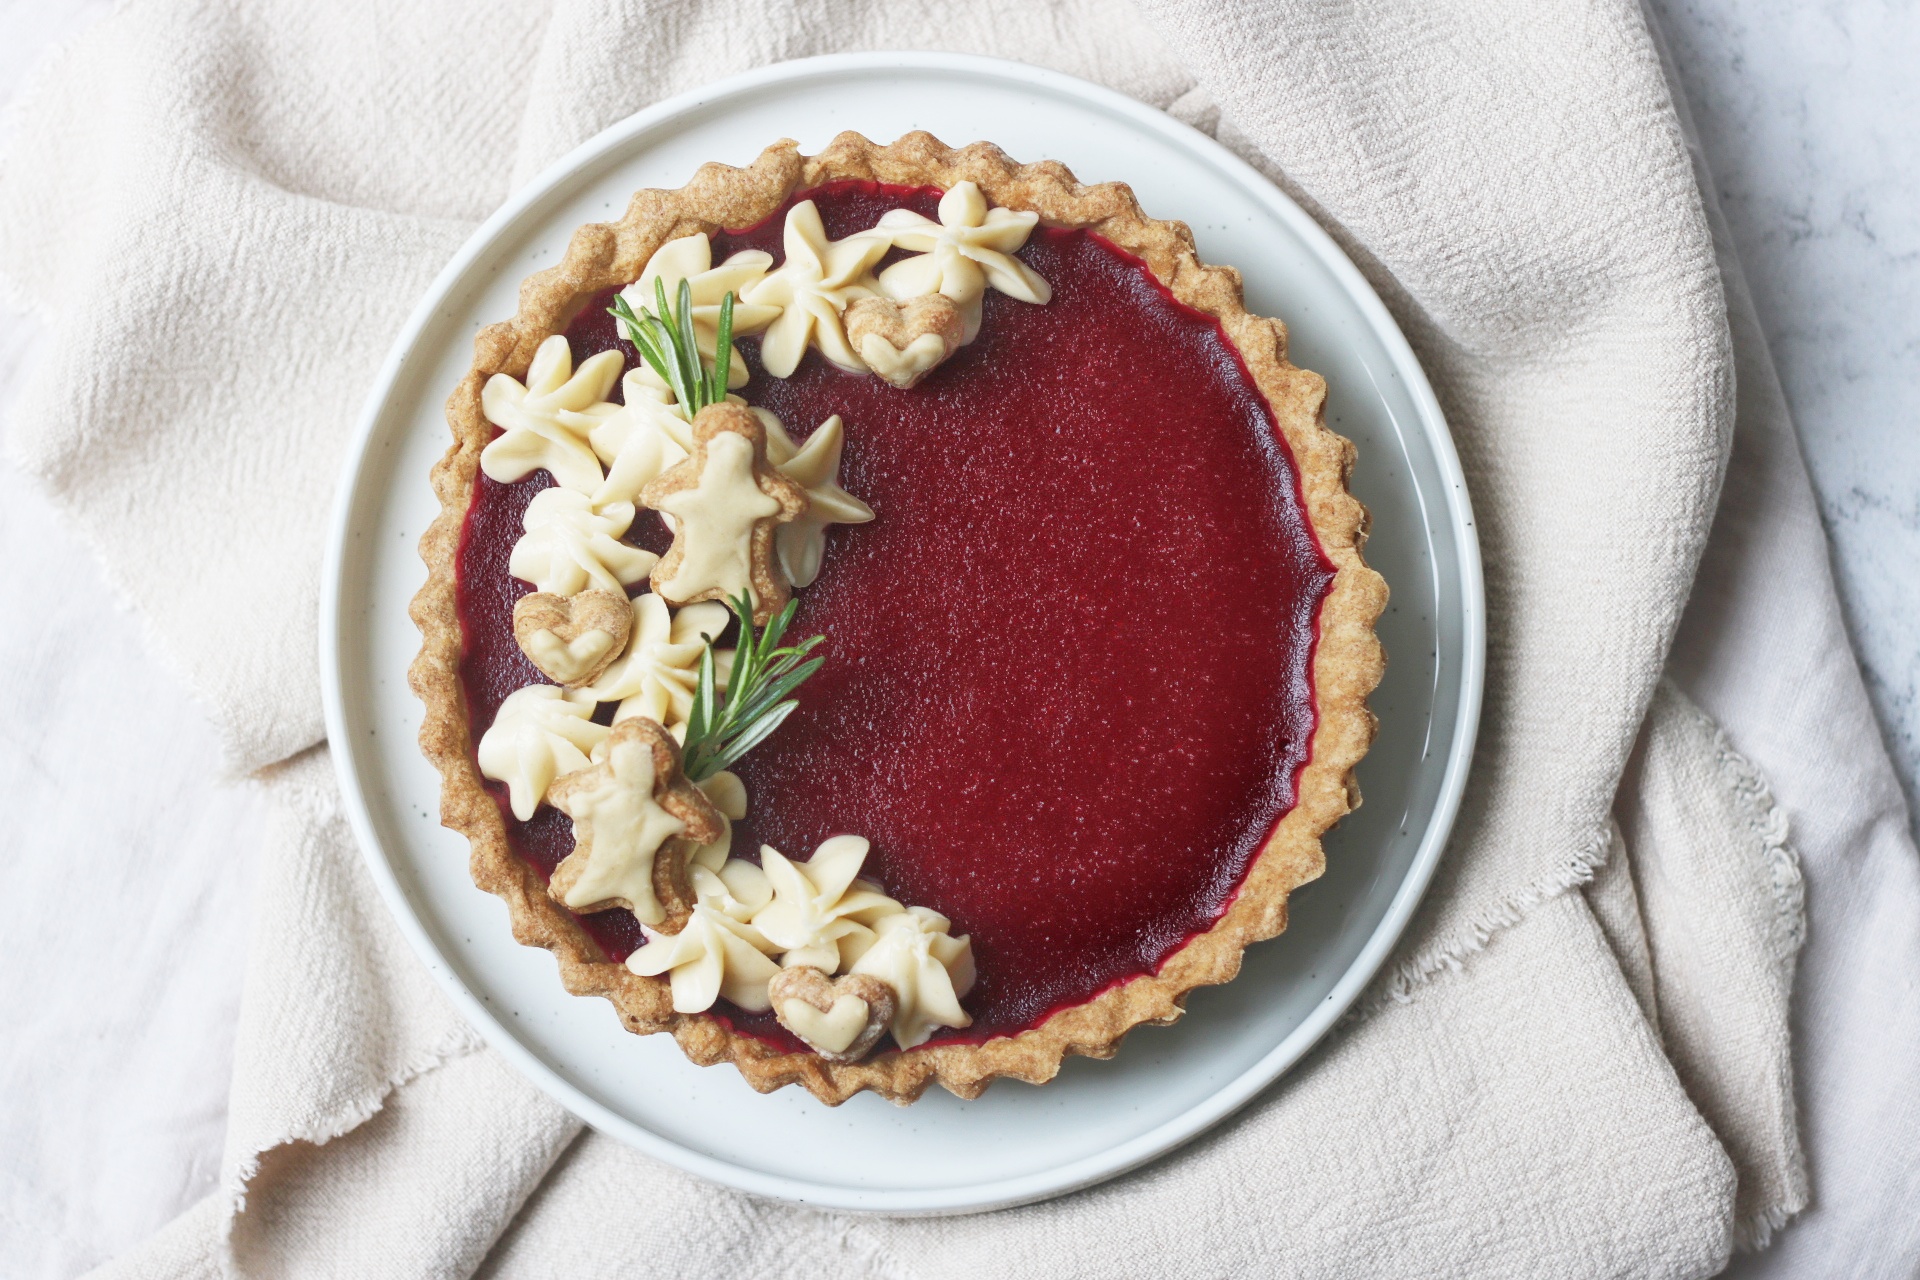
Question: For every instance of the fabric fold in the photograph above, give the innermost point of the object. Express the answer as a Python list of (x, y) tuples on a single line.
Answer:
[(1723, 907), (1558, 352), (1764, 651), (1615, 904), (330, 1027)]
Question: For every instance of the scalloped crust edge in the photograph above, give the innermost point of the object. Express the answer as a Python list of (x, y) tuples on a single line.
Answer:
[(1348, 660)]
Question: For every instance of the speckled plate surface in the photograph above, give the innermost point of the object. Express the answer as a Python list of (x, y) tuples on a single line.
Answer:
[(1017, 1143)]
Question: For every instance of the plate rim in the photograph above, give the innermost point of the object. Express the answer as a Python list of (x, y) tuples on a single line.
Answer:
[(1123, 1156)]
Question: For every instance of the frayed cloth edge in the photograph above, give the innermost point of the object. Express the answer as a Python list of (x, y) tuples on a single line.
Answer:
[(1450, 953), (1754, 1233), (1767, 823), (461, 1042)]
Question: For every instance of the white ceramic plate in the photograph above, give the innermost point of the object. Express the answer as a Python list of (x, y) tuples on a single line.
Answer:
[(1017, 1143)]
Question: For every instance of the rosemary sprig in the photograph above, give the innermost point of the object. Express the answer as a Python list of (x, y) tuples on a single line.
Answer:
[(667, 343), (720, 731)]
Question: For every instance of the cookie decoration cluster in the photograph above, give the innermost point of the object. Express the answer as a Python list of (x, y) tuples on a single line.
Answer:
[(773, 936), (838, 961)]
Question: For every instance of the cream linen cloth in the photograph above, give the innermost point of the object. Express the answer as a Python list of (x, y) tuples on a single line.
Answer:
[(223, 213)]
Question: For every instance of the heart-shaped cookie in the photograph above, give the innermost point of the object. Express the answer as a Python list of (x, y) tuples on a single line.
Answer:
[(572, 639), (903, 342), (839, 1018)]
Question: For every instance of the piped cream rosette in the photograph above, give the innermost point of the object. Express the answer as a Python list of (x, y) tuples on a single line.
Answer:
[(719, 954), (545, 422), (969, 250), (822, 913), (540, 733), (811, 290), (657, 675), (690, 258), (929, 970)]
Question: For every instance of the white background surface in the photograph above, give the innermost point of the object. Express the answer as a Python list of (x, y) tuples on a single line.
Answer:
[(121, 955)]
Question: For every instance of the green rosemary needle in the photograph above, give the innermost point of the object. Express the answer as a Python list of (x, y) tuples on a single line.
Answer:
[(722, 729), (666, 340)]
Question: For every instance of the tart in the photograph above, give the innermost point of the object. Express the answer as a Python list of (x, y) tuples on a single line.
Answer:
[(1088, 633)]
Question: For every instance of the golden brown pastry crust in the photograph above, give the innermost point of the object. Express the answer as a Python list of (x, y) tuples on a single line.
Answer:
[(1347, 661)]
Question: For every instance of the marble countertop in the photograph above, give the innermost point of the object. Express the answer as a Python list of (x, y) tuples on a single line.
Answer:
[(1807, 114)]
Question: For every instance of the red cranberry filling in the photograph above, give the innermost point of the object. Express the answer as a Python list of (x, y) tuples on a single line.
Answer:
[(1068, 689)]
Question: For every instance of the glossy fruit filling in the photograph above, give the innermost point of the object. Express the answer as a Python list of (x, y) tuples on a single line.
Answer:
[(1067, 692)]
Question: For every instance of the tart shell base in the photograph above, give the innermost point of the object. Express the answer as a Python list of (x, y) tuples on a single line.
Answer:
[(1347, 662)]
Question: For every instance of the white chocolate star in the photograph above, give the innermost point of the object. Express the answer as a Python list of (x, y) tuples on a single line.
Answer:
[(690, 258), (657, 674), (811, 288), (540, 733), (822, 914), (545, 422), (968, 250), (928, 970), (569, 546), (815, 467)]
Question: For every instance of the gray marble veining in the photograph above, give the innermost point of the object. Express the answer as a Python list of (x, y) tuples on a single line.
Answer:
[(1809, 115)]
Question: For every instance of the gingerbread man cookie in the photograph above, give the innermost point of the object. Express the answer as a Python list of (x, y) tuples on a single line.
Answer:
[(625, 810), (723, 504)]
